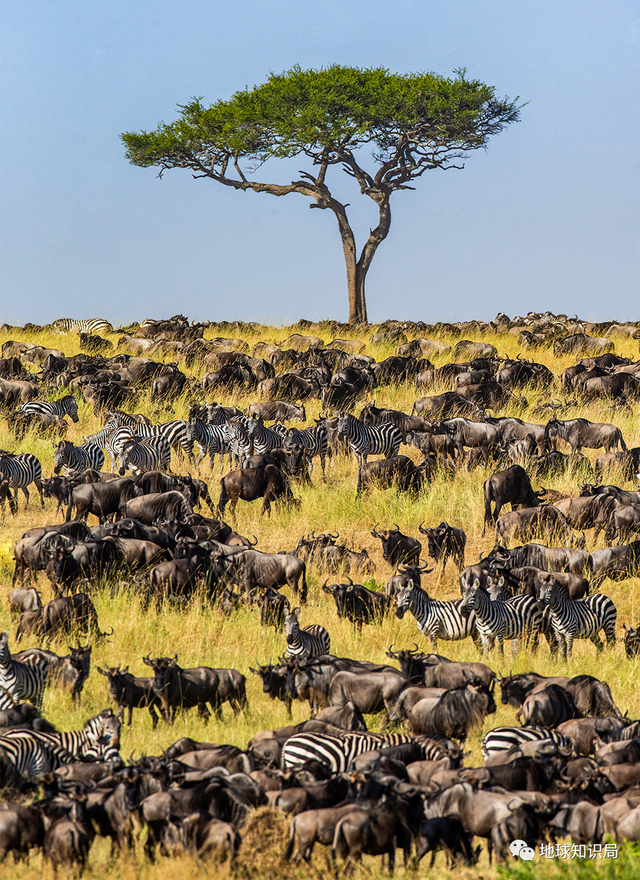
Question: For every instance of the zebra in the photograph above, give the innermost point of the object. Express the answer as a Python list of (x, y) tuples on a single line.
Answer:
[(209, 438), (497, 620), (66, 406), (175, 432), (579, 618), (365, 440), (501, 739), (311, 641), (264, 439), (237, 437), (335, 752), (436, 620), (20, 681), (34, 752), (21, 470), (314, 441), (75, 459), (149, 454), (112, 438), (90, 325)]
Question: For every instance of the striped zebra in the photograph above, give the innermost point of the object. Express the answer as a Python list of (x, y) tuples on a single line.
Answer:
[(364, 440), (112, 438), (501, 739), (34, 752), (264, 439), (237, 436), (66, 406), (89, 325), (497, 619), (150, 454), (312, 641), (209, 438), (75, 459), (314, 441), (335, 752), (21, 470), (579, 618), (436, 620), (20, 681), (176, 432)]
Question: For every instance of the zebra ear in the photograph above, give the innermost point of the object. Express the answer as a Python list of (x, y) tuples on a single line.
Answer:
[(501, 582), (296, 612), (476, 582)]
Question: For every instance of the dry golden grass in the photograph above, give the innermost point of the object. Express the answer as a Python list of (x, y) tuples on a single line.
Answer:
[(202, 636)]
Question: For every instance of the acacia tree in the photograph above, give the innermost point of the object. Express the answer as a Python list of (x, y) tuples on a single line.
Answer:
[(400, 125)]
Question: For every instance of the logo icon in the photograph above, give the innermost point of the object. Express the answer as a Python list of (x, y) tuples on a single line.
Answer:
[(522, 850)]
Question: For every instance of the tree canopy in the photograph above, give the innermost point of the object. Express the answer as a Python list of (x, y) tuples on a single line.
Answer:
[(400, 125)]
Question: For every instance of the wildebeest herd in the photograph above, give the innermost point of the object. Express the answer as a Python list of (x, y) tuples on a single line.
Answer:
[(570, 764)]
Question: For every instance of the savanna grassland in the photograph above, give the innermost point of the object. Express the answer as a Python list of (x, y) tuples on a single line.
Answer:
[(201, 635)]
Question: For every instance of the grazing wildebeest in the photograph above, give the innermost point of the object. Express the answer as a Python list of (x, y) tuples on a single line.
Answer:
[(510, 486), (398, 548), (445, 541), (581, 432)]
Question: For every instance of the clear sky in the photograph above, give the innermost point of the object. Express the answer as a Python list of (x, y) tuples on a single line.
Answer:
[(547, 218)]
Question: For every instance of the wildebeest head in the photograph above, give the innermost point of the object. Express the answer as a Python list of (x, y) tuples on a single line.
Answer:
[(436, 538), (390, 539), (164, 669), (116, 682)]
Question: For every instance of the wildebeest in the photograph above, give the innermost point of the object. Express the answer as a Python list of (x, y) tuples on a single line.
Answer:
[(248, 568), (527, 523), (510, 486), (358, 604), (129, 692), (370, 692), (277, 411), (396, 470), (548, 707), (268, 483), (456, 714), (180, 688), (100, 499), (68, 614), (398, 548), (581, 432), (445, 541), (149, 508)]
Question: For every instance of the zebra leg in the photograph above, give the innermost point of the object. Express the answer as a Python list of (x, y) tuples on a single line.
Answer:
[(610, 634), (39, 488), (25, 492), (597, 641), (568, 641)]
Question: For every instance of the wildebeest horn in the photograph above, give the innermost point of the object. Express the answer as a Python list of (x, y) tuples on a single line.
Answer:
[(350, 582), (421, 530), (390, 652), (374, 532), (254, 542), (397, 527), (147, 660), (335, 537), (415, 649)]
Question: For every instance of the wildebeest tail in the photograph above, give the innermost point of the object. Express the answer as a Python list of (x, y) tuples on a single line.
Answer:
[(292, 840), (623, 445), (488, 515), (340, 846), (224, 496)]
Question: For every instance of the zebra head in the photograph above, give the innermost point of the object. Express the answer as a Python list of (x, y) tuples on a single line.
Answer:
[(344, 421), (291, 624), (104, 729), (5, 653), (61, 455), (471, 598)]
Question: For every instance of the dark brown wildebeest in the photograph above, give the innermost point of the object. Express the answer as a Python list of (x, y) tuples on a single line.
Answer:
[(548, 707), (444, 406), (456, 714), (510, 486), (445, 541), (590, 512), (398, 548), (68, 615), (547, 522), (179, 688), (431, 444), (358, 604), (581, 432), (268, 483), (397, 470), (129, 692)]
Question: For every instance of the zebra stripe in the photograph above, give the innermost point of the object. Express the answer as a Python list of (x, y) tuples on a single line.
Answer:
[(501, 739), (22, 470), (75, 459), (34, 752), (89, 325), (312, 641), (365, 440), (436, 620), (335, 752), (579, 618), (66, 406), (176, 432), (237, 437), (314, 441), (112, 438), (264, 439), (21, 681), (150, 454), (497, 620), (209, 438)]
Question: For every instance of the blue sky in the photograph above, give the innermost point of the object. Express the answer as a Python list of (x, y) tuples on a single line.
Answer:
[(547, 218)]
